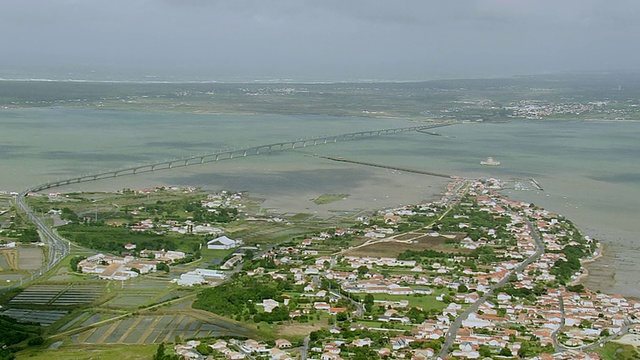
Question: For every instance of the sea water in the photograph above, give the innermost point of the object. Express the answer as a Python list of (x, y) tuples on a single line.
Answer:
[(589, 170)]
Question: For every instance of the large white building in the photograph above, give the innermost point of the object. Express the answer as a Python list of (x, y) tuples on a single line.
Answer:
[(222, 243)]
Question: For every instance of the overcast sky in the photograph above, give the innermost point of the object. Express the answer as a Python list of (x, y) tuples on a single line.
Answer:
[(316, 39)]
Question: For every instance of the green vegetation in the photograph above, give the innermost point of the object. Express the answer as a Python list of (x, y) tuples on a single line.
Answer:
[(13, 333), (112, 239), (29, 234), (480, 222), (74, 261), (532, 348), (68, 214), (162, 355), (329, 198), (564, 269), (238, 297), (617, 351), (87, 352)]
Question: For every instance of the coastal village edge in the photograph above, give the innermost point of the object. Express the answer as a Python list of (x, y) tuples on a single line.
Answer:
[(474, 275)]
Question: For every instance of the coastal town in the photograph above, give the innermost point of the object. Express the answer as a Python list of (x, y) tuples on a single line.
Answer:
[(474, 275), (507, 289)]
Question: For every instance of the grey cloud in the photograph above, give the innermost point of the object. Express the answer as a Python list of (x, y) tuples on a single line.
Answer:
[(405, 40)]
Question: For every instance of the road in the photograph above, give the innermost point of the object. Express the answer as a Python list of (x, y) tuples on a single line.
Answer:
[(450, 336), (58, 246), (558, 347), (304, 350)]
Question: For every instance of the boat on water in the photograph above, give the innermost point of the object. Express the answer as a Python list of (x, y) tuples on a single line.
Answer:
[(490, 162)]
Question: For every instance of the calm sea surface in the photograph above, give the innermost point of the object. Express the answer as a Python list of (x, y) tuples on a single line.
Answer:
[(590, 171)]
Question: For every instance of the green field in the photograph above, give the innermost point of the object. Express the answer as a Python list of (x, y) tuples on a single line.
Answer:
[(616, 351), (426, 302), (87, 352)]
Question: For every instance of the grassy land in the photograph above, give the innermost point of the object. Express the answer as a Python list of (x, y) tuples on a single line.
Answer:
[(426, 302), (80, 352), (329, 198), (616, 351)]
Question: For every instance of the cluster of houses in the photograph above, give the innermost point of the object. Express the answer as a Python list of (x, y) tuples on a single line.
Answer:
[(559, 317), (533, 109), (124, 268), (234, 349), (212, 203)]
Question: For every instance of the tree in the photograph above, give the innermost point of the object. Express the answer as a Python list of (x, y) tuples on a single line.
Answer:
[(35, 341), (29, 235), (505, 352), (368, 302), (342, 316), (204, 349), (162, 267), (68, 214), (159, 353), (75, 261), (485, 351), (363, 270)]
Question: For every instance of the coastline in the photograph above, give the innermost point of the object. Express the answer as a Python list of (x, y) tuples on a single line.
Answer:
[(585, 272)]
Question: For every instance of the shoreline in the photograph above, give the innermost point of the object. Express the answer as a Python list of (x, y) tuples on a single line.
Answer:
[(585, 272)]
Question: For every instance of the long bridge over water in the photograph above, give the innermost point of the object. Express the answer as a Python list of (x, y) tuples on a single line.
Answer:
[(235, 153), (60, 248)]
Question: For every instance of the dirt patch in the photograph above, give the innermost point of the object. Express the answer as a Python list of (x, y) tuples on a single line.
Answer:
[(298, 329), (393, 247), (630, 339), (30, 257), (407, 236), (9, 259)]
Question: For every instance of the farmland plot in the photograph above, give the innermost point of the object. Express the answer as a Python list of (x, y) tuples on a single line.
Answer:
[(72, 322), (42, 317), (148, 329), (30, 258), (58, 295), (5, 255)]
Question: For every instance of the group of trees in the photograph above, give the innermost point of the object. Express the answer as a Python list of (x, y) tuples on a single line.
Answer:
[(563, 270), (29, 234), (68, 214), (524, 293), (12, 334), (162, 355), (484, 255), (219, 215), (480, 222), (113, 239), (239, 296), (74, 261)]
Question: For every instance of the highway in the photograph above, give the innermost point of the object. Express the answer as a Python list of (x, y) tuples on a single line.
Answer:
[(58, 247)]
